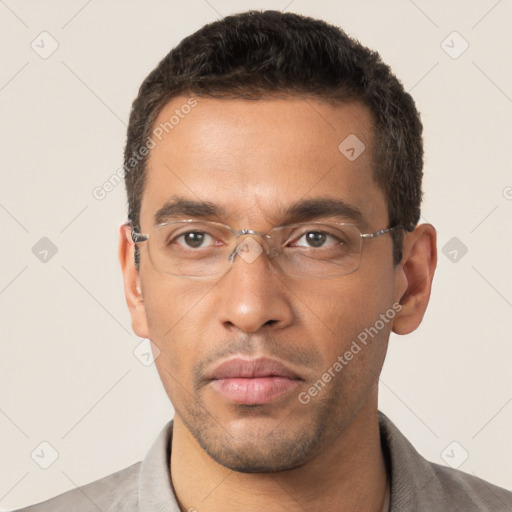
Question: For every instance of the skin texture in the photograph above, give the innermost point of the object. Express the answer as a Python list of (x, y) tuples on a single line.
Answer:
[(255, 158)]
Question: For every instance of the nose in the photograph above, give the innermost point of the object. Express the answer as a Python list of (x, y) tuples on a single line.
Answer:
[(251, 296)]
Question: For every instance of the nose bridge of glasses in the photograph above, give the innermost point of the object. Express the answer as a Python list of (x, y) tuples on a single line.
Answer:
[(243, 233)]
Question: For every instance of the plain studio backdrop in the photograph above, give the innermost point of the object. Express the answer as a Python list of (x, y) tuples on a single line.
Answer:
[(78, 392)]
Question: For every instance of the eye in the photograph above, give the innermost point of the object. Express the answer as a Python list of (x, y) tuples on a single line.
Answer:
[(316, 239), (195, 239)]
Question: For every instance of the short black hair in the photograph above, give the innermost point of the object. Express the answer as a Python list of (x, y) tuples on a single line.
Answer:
[(265, 54)]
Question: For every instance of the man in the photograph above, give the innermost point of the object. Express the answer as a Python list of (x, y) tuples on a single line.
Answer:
[(273, 170)]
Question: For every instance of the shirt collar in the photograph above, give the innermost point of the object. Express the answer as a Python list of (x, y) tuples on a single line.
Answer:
[(155, 486), (408, 471)]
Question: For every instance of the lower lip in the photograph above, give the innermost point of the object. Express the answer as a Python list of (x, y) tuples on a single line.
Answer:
[(254, 391)]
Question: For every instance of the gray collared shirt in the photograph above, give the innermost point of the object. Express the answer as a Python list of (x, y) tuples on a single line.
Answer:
[(416, 484)]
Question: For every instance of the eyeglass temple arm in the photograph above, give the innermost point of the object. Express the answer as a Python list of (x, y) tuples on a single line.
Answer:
[(382, 231)]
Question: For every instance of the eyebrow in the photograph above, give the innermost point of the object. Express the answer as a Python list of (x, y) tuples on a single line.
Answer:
[(322, 207), (303, 210), (179, 207)]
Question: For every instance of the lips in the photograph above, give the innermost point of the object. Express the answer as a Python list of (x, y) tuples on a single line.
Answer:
[(254, 381), (252, 368)]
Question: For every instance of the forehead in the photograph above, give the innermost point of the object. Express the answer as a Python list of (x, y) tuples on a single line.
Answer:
[(255, 158)]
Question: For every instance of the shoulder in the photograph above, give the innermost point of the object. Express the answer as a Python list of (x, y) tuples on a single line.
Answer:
[(119, 488), (465, 492), (420, 485)]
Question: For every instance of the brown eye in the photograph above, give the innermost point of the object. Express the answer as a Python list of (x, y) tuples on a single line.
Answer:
[(315, 239), (195, 239)]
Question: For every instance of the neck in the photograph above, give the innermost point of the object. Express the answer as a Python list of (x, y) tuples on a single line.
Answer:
[(349, 475)]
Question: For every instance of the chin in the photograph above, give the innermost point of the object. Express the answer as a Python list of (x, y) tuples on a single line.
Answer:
[(274, 451), (256, 462)]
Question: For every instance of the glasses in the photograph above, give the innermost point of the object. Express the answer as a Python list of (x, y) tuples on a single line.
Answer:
[(197, 249)]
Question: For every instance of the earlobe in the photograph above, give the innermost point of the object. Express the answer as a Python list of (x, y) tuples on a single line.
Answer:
[(414, 277), (132, 285)]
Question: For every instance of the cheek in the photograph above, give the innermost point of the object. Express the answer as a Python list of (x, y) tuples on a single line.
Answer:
[(175, 314), (172, 303), (174, 327), (347, 313)]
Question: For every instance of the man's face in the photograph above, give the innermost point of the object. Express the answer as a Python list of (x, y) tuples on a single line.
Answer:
[(255, 159)]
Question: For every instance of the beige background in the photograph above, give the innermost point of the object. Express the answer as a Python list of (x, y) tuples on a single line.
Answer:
[(68, 371)]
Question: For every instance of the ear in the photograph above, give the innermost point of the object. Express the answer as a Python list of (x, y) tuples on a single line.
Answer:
[(132, 284), (414, 275)]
